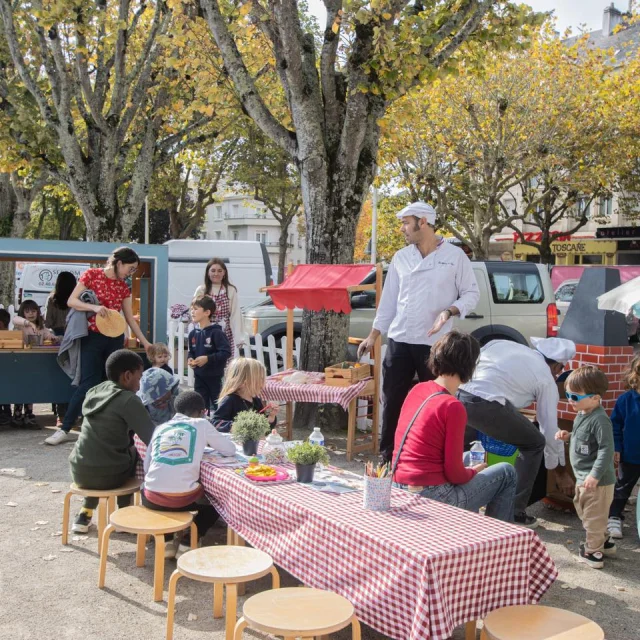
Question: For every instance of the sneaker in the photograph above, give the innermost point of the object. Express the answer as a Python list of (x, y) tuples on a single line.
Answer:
[(609, 548), (81, 523), (170, 548), (58, 437), (615, 527), (525, 520), (594, 560), (30, 422), (17, 420), (182, 549)]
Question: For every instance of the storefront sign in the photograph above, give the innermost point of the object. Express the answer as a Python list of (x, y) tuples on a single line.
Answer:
[(618, 232), (583, 247)]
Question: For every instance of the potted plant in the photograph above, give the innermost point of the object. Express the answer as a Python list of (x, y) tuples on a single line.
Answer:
[(304, 456), (248, 427)]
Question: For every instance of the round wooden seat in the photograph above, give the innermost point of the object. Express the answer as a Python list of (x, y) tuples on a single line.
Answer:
[(226, 567), (535, 622), (226, 564), (130, 486), (298, 612), (106, 503), (148, 522), (145, 522)]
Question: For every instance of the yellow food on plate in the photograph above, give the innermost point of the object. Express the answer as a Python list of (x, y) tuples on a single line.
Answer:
[(261, 470)]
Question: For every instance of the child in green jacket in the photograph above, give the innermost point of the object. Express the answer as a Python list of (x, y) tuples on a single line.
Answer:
[(591, 451), (104, 457)]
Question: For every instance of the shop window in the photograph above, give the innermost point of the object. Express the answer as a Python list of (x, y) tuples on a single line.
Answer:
[(515, 284)]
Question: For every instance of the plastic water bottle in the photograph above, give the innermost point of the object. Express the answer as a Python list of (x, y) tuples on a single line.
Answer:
[(316, 437), (477, 453)]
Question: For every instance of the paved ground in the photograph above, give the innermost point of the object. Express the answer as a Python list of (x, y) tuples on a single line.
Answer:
[(50, 592)]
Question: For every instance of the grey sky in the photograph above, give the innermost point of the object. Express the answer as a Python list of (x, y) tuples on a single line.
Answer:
[(570, 13)]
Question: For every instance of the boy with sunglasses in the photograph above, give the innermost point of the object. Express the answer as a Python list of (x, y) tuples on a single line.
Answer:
[(591, 450)]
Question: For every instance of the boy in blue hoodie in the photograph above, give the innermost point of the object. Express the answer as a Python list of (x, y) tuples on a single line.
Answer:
[(209, 351), (626, 435)]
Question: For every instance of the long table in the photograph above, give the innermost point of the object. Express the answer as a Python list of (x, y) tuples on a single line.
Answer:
[(415, 572)]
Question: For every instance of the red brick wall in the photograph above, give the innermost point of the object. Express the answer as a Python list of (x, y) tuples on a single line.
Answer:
[(613, 361)]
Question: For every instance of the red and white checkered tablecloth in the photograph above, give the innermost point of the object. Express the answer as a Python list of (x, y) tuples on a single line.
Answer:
[(317, 391), (413, 573)]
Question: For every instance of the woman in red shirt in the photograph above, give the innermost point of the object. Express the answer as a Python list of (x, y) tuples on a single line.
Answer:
[(113, 293), (429, 457)]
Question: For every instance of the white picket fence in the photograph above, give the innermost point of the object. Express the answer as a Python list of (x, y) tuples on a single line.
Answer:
[(270, 354)]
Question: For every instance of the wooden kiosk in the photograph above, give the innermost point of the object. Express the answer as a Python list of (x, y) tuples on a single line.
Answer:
[(329, 287), (33, 375)]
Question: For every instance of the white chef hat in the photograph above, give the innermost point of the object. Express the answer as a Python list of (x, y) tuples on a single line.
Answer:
[(557, 349), (419, 210)]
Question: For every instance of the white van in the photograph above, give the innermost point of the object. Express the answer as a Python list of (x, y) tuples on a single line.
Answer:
[(247, 262), (38, 279)]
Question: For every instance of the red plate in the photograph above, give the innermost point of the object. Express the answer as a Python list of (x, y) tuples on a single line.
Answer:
[(281, 474)]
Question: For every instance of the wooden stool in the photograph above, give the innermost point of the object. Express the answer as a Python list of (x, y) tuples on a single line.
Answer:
[(106, 504), (226, 567), (535, 622), (145, 522), (297, 612)]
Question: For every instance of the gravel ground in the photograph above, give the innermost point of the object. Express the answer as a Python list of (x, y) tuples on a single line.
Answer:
[(50, 592)]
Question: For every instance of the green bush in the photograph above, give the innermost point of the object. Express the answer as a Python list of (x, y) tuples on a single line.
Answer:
[(307, 453), (249, 425)]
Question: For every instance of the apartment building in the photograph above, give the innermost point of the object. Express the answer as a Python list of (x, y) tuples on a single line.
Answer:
[(240, 217)]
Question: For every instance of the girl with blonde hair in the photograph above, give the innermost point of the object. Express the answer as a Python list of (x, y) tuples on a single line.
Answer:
[(244, 381)]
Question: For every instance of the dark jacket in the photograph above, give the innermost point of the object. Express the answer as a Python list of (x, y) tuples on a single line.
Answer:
[(109, 414), (230, 406), (210, 342), (626, 426)]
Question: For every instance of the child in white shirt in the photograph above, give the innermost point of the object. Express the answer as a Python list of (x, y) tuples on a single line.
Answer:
[(172, 464)]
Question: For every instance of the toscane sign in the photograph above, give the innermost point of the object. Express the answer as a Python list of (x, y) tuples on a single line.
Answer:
[(569, 247)]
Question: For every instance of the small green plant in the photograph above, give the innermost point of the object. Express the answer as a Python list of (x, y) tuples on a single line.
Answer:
[(307, 453), (249, 425)]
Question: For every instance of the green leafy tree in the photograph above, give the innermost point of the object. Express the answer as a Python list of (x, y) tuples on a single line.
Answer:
[(335, 89), (264, 169)]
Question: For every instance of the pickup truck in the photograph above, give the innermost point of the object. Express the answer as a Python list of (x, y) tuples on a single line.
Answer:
[(516, 302)]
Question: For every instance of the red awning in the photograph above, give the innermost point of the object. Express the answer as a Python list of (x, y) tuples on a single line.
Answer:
[(319, 286)]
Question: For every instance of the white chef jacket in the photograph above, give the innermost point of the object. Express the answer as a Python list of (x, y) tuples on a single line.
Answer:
[(514, 372), (417, 290)]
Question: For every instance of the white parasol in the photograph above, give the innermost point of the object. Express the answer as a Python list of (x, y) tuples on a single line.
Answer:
[(621, 298)]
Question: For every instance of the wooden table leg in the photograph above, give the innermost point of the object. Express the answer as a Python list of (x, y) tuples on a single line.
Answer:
[(356, 632), (171, 602), (230, 535), (102, 518), (231, 610), (351, 427), (241, 625), (289, 419), (218, 593), (470, 630), (65, 518), (140, 549), (104, 551), (158, 569)]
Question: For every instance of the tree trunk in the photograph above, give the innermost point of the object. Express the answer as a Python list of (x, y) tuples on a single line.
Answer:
[(546, 255), (7, 209), (282, 251)]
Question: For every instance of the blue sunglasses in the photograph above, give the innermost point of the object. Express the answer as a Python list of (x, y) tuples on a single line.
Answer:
[(576, 397)]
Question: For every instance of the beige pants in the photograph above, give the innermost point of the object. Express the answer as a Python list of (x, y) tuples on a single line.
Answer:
[(592, 508)]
